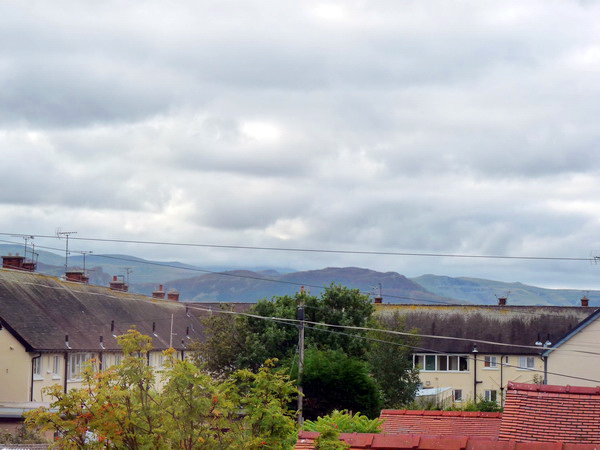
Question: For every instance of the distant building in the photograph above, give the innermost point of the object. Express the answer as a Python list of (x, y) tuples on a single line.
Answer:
[(477, 350)]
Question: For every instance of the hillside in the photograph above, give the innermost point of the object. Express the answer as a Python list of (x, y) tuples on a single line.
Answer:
[(484, 292), (249, 286), (213, 284)]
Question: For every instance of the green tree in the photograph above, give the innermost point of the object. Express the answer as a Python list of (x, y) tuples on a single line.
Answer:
[(122, 407), (245, 342), (390, 358), (333, 380)]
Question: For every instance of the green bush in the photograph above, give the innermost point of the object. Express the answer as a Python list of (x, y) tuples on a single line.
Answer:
[(344, 422)]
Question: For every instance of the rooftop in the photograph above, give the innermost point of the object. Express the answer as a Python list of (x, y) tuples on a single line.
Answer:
[(515, 325), (467, 423), (47, 314), (551, 413)]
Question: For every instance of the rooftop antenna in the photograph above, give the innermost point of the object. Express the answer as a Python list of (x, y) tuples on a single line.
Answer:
[(66, 234), (85, 253), (128, 270)]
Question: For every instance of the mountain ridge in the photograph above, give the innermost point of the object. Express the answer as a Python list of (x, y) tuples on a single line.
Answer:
[(249, 285)]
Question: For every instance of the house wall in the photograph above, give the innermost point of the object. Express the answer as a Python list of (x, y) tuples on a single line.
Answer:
[(15, 369), (491, 379), (572, 360), (49, 376)]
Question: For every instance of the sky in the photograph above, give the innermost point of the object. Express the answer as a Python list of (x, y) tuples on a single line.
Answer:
[(425, 126)]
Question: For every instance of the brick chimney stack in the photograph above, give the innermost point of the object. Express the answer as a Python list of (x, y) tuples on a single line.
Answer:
[(585, 302), (159, 293), (173, 295), (501, 301), (77, 276), (118, 285)]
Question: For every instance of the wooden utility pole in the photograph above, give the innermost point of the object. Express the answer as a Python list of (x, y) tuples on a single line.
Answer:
[(300, 355)]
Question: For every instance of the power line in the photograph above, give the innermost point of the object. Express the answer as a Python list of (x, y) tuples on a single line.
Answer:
[(317, 250), (270, 280)]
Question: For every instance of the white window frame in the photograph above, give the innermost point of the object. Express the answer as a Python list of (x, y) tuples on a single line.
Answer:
[(458, 395), (490, 395), (490, 362), (56, 366), (526, 362), (441, 362), (76, 363), (37, 368)]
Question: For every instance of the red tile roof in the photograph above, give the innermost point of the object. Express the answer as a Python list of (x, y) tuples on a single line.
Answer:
[(545, 413), (466, 423), (306, 440)]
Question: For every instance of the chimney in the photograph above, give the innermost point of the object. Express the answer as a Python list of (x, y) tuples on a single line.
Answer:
[(585, 301), (13, 262), (160, 293), (77, 276), (501, 301), (173, 295), (378, 299), (118, 285)]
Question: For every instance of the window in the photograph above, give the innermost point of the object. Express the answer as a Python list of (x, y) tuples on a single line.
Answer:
[(458, 395), (37, 368), (429, 362), (56, 367), (118, 357), (526, 362), (490, 362), (158, 359), (490, 395), (441, 363), (76, 364)]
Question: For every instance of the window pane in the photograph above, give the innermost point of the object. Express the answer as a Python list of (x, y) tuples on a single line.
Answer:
[(442, 362), (453, 360), (429, 362), (457, 395), (463, 364)]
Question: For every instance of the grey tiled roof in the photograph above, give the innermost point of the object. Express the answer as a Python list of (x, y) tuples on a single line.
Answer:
[(516, 325), (41, 311)]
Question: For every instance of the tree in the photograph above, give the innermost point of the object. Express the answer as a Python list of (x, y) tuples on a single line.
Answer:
[(390, 358), (245, 342), (333, 380), (121, 407)]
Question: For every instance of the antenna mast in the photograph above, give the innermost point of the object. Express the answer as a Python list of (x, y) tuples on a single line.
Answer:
[(65, 234)]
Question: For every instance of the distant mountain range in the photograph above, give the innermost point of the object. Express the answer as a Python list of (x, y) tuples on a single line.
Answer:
[(217, 284)]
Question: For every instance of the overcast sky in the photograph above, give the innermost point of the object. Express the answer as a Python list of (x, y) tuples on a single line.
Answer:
[(447, 127)]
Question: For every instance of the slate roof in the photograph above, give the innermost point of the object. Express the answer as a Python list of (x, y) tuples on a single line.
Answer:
[(40, 310), (467, 423), (516, 325), (551, 413)]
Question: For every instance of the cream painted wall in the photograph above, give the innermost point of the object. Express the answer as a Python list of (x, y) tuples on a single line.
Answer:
[(570, 359), (490, 378), (15, 369)]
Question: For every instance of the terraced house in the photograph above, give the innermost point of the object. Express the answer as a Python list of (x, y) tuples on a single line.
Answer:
[(49, 327), (472, 352)]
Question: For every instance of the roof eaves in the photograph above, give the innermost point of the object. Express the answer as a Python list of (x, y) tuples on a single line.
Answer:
[(578, 328)]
